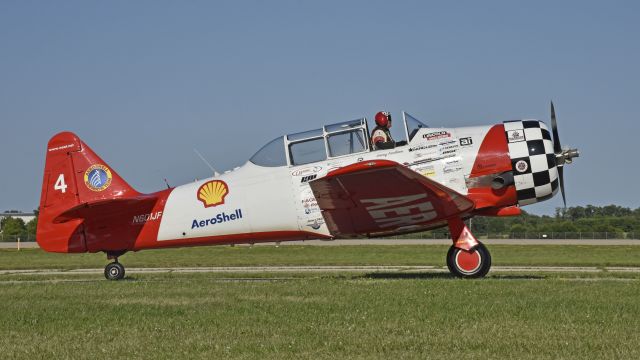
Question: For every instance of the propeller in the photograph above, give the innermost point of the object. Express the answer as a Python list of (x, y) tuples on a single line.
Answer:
[(562, 156)]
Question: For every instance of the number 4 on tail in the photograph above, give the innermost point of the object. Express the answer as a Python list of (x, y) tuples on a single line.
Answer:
[(60, 184)]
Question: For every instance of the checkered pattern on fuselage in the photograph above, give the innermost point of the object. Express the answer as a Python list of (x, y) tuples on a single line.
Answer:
[(532, 159)]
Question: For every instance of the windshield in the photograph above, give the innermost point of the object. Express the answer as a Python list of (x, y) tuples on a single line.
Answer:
[(413, 125), (271, 155)]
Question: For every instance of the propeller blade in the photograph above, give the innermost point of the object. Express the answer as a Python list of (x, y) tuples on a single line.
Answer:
[(554, 127), (561, 178)]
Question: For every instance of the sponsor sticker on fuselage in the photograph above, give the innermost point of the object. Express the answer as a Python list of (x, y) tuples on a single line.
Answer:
[(466, 141), (436, 135), (515, 135), (212, 193), (306, 171), (217, 219), (522, 166), (427, 171)]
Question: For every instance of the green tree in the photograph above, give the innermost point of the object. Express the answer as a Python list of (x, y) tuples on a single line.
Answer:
[(31, 228), (518, 229), (13, 227)]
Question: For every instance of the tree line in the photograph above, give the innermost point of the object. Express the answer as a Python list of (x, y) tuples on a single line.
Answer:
[(612, 219), (576, 219), (14, 227)]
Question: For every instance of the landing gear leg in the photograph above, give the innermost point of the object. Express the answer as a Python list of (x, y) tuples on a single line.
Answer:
[(114, 270), (467, 257)]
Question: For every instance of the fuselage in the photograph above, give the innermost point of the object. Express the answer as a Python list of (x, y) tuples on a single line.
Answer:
[(276, 203)]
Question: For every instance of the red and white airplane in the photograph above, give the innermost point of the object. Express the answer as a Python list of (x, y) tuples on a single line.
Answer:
[(326, 183)]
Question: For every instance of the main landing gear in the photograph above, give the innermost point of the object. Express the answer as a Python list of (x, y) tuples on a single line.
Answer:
[(467, 257), (114, 270)]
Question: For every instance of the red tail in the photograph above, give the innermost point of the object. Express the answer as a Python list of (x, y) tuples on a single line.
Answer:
[(74, 177)]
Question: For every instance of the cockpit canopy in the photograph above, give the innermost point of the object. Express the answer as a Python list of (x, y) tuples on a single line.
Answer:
[(330, 141)]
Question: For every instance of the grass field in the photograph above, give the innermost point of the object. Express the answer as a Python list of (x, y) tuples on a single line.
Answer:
[(548, 255), (322, 316)]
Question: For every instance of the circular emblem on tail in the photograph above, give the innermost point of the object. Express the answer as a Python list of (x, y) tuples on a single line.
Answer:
[(97, 177)]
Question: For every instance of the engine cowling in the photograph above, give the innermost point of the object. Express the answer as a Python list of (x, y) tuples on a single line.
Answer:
[(535, 171)]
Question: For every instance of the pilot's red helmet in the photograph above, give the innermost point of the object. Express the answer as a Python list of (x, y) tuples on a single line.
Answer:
[(383, 118)]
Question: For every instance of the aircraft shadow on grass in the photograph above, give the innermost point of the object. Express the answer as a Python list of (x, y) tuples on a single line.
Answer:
[(427, 276)]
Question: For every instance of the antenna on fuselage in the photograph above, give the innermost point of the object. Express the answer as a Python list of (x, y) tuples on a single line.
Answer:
[(215, 173)]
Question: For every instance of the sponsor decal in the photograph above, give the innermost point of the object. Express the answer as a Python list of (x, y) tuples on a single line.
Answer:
[(315, 223), (448, 170), (306, 171), (400, 211), (423, 147), (428, 160), (309, 202), (453, 161), (141, 219), (427, 171), (217, 219), (437, 135), (308, 178), (212, 193), (62, 147), (444, 149), (310, 209), (466, 141), (522, 166), (515, 135), (97, 177)]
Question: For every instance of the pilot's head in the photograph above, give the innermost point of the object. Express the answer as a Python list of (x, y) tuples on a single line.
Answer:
[(383, 118)]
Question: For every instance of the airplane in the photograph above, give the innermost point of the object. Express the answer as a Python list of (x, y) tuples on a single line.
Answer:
[(327, 183)]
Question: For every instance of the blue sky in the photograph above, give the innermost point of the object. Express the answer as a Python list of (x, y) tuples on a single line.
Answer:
[(143, 83)]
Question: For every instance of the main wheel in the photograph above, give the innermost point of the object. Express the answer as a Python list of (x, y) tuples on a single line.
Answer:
[(469, 264), (114, 271)]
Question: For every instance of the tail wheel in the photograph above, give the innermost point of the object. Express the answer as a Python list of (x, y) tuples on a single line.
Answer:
[(114, 271), (469, 264)]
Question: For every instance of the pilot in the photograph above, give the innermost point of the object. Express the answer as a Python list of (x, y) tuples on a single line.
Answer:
[(381, 136)]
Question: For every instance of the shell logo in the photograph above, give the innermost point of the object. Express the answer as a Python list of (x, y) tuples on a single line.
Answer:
[(212, 193)]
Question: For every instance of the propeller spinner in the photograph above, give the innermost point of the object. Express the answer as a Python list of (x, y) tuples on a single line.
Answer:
[(562, 156)]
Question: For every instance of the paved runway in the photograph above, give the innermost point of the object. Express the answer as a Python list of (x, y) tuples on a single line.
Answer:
[(31, 245), (322, 269)]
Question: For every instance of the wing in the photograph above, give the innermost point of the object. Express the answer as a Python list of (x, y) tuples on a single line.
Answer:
[(381, 197)]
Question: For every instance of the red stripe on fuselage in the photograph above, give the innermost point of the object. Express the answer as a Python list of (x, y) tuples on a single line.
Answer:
[(245, 238)]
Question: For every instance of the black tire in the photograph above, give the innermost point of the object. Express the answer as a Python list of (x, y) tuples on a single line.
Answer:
[(473, 264), (114, 271)]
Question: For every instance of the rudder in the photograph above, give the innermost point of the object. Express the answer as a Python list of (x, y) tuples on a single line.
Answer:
[(73, 175)]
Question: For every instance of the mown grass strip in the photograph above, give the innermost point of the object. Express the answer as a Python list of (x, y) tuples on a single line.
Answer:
[(544, 255)]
